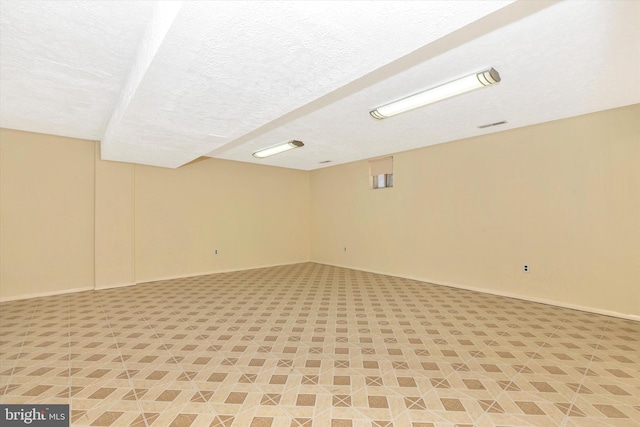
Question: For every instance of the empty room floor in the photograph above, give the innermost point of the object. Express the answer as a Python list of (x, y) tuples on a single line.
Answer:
[(316, 345)]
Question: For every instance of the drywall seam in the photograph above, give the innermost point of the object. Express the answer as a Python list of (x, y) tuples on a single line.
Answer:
[(47, 294), (96, 149), (133, 224), (96, 155), (555, 303), (1, 193)]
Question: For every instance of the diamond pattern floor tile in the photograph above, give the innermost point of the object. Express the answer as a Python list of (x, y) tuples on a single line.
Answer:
[(315, 345)]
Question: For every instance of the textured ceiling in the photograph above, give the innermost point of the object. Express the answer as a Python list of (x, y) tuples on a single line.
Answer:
[(163, 83)]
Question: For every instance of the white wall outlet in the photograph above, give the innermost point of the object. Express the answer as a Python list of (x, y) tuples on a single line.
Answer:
[(525, 268)]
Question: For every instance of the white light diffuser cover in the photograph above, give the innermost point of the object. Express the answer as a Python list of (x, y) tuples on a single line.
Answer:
[(276, 149), (438, 93)]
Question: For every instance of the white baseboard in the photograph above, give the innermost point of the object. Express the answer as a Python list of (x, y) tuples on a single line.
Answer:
[(115, 285), (46, 294), (206, 273), (594, 310), (122, 285), (419, 279)]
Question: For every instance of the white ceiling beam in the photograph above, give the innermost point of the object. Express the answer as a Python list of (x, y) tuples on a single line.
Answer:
[(163, 17)]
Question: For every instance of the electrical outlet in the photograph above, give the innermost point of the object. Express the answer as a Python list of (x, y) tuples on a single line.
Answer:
[(345, 249), (215, 252), (525, 268)]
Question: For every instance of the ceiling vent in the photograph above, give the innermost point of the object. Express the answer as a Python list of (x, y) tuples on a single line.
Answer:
[(492, 124)]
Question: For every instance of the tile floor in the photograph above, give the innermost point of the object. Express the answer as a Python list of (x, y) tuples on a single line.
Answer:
[(315, 345)]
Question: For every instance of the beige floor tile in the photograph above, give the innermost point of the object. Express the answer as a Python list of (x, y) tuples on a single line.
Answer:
[(310, 344)]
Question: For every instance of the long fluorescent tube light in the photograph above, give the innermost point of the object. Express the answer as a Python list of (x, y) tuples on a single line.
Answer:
[(438, 93), (276, 149)]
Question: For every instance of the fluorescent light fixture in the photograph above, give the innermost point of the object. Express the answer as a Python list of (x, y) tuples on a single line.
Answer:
[(438, 93), (278, 148)]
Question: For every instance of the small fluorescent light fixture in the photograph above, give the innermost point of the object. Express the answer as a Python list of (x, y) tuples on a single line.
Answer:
[(278, 148), (438, 93)]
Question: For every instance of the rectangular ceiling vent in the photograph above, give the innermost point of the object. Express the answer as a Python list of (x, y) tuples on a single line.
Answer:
[(492, 124)]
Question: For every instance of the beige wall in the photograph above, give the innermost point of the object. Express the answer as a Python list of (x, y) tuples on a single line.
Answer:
[(71, 221), (563, 197), (46, 214), (114, 218), (254, 215)]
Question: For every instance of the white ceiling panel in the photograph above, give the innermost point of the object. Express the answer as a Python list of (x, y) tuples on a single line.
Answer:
[(226, 68), (63, 63), (163, 83), (562, 61)]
